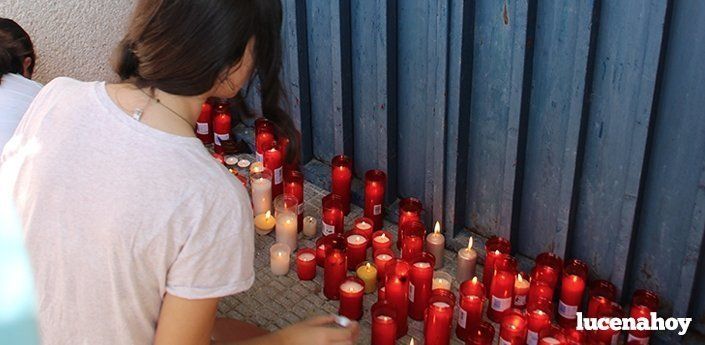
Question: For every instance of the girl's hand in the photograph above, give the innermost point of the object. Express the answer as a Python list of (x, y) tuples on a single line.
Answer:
[(318, 330)]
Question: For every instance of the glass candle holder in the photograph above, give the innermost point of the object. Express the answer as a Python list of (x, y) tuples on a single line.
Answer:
[(367, 271), (363, 226), (356, 249), (279, 257), (438, 318), (547, 274), (397, 292), (513, 328), (381, 240), (539, 289), (325, 243), (375, 185), (572, 290), (644, 302), (351, 291), (420, 281), (274, 160), (502, 288), (285, 206), (410, 209), (609, 335), (539, 314), (310, 225), (264, 136), (552, 335), (470, 302), (204, 130), (442, 280), (600, 293), (261, 190), (483, 334), (381, 258), (332, 215), (412, 244), (384, 326), (521, 291), (306, 264), (294, 185), (334, 270), (341, 179), (494, 248), (553, 261)]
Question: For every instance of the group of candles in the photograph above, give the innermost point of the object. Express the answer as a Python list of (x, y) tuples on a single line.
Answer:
[(404, 277)]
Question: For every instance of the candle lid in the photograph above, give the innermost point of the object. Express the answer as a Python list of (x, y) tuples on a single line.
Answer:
[(231, 160), (243, 163)]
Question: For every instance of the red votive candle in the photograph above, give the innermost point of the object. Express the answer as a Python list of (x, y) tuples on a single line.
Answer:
[(381, 258), (513, 328), (351, 291), (397, 292), (552, 335), (521, 291), (264, 136), (539, 314), (644, 302), (412, 245), (363, 226), (470, 301), (204, 131), (572, 289), (221, 129), (539, 289), (294, 185), (332, 215), (410, 209), (494, 248), (420, 280), (375, 184), (274, 161), (306, 263), (341, 177), (609, 335), (552, 261), (483, 334), (333, 273), (502, 288), (324, 243), (438, 318), (384, 327), (356, 249), (381, 240), (600, 294), (546, 274), (284, 147)]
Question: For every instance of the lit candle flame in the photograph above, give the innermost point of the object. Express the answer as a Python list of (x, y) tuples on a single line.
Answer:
[(411, 342), (519, 278), (496, 252), (474, 280), (368, 266), (383, 236), (268, 215), (437, 228), (470, 243)]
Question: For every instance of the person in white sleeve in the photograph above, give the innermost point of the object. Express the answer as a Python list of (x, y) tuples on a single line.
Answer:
[(17, 90), (133, 230)]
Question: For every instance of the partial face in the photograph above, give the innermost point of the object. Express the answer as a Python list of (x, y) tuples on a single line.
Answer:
[(237, 76)]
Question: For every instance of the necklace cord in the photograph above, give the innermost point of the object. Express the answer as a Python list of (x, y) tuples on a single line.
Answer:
[(166, 107)]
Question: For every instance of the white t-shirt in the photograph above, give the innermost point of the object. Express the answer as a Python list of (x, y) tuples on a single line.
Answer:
[(16, 93), (117, 213)]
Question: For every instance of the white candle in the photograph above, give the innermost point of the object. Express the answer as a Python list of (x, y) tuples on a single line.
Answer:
[(286, 229), (441, 280), (356, 239), (384, 257), (435, 244), (279, 258), (363, 225), (441, 304), (467, 260), (306, 257), (310, 226), (351, 286), (420, 264), (261, 195)]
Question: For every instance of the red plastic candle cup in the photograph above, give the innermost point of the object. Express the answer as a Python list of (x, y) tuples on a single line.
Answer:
[(324, 243), (539, 289), (375, 185), (381, 240), (334, 270), (609, 335), (264, 136), (539, 314), (351, 291), (294, 185), (221, 130), (341, 178), (483, 334), (274, 161), (573, 336), (363, 226), (546, 274), (332, 215), (397, 292), (438, 318), (470, 301), (356, 249), (381, 258), (553, 261), (572, 289), (384, 327), (204, 131), (552, 335), (410, 209), (521, 291), (306, 264), (600, 294), (412, 245), (502, 288), (420, 280), (284, 147), (381, 293), (644, 302), (513, 328), (494, 248)]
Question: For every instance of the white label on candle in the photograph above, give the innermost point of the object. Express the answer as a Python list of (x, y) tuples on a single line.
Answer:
[(260, 157), (300, 208), (220, 137), (504, 342), (377, 210), (328, 229), (412, 288), (501, 304), (520, 300), (634, 339), (202, 127), (532, 338), (278, 175), (567, 311), (463, 318)]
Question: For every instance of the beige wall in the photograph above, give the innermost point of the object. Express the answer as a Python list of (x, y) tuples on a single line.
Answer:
[(73, 38)]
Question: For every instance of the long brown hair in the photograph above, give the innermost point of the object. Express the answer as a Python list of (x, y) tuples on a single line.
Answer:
[(183, 47), (15, 46)]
